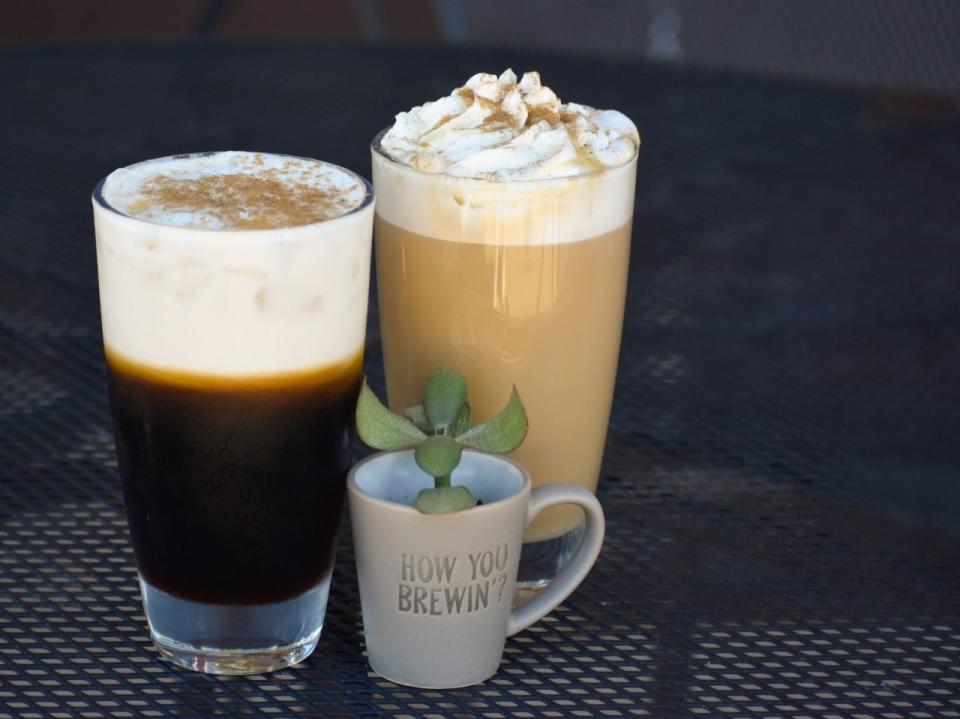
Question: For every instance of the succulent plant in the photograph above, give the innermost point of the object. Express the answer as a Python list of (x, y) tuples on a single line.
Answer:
[(438, 430)]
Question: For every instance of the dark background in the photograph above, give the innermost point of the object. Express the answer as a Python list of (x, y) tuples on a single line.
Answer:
[(904, 44)]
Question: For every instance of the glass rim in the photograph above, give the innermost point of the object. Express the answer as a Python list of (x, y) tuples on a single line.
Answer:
[(368, 197), (376, 148)]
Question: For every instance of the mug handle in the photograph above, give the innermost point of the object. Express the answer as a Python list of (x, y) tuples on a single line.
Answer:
[(574, 572)]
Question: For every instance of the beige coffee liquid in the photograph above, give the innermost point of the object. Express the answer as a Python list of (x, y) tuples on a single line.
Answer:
[(544, 317)]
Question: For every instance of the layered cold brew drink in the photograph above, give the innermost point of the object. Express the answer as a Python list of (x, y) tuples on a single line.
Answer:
[(503, 238), (233, 292)]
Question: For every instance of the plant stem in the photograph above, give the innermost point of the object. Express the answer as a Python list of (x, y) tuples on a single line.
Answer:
[(443, 481)]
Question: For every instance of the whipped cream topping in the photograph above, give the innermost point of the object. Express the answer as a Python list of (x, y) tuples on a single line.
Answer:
[(503, 129)]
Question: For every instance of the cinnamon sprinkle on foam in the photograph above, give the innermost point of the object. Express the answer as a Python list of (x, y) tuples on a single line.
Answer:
[(244, 201), (234, 191)]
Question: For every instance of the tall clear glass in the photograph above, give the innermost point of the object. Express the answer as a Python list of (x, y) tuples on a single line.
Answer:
[(234, 358), (513, 283)]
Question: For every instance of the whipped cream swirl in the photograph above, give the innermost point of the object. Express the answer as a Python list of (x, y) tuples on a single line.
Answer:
[(502, 129)]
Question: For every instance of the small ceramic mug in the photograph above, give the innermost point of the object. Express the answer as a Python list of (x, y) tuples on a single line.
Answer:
[(436, 589)]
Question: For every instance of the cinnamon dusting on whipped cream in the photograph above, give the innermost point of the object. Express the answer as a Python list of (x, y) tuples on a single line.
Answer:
[(501, 128)]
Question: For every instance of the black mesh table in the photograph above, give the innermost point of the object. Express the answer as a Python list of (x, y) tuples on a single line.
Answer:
[(781, 479)]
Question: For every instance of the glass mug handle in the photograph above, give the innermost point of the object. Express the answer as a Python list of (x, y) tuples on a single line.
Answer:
[(577, 569)]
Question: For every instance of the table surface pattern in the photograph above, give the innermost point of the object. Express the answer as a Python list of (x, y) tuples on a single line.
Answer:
[(781, 478)]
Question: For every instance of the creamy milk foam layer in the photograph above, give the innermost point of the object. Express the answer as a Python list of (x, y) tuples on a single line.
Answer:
[(233, 190), (192, 287), (505, 162)]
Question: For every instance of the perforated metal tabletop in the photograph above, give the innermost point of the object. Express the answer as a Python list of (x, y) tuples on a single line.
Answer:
[(781, 479)]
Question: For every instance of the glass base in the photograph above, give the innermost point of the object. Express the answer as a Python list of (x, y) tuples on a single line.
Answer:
[(212, 661), (235, 639), (540, 562)]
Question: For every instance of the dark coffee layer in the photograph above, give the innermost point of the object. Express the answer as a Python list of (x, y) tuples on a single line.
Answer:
[(233, 487)]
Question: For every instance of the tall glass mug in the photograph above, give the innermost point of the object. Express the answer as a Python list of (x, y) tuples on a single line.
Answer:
[(233, 292), (513, 283)]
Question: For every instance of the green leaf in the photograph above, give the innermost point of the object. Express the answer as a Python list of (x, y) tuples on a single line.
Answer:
[(443, 394), (500, 434), (437, 456), (419, 418), (380, 428), (444, 500), (461, 423)]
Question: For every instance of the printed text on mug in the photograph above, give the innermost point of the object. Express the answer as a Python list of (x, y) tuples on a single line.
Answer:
[(439, 585)]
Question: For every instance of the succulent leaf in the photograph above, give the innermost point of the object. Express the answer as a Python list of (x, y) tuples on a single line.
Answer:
[(500, 434), (444, 500), (461, 423), (419, 418), (380, 428), (444, 393), (437, 456)]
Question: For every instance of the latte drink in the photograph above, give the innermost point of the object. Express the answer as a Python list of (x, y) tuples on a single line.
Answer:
[(233, 290), (503, 237)]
